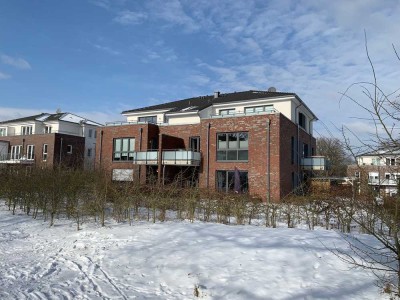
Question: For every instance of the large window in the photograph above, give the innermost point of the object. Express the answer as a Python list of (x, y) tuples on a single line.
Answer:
[(258, 109), (232, 181), (302, 120), (3, 131), (123, 149), (150, 119), (233, 146), (16, 152), (224, 112), (26, 130), (30, 152)]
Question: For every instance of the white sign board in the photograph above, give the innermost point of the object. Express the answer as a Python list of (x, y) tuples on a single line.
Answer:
[(122, 175)]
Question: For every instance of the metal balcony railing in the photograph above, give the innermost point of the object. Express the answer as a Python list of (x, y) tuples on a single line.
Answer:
[(386, 182), (169, 157), (13, 158), (244, 114)]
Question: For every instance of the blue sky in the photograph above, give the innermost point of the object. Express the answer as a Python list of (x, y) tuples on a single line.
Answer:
[(99, 57)]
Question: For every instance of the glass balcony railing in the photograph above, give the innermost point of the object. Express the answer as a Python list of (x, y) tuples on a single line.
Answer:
[(315, 163), (169, 157), (13, 158), (181, 157), (145, 158)]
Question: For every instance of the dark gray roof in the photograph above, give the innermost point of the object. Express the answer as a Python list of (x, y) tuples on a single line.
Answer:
[(25, 119), (202, 102)]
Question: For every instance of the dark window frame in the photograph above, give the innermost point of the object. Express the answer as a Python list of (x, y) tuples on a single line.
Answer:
[(235, 153), (124, 155), (229, 184), (148, 119)]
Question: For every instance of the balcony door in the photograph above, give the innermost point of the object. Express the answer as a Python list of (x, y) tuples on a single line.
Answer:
[(194, 143), (16, 152)]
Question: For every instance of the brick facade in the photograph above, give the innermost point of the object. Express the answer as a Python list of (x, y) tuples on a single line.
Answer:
[(269, 166), (56, 146)]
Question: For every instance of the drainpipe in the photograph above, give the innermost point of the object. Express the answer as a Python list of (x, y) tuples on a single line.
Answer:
[(208, 155), (298, 141), (140, 148), (61, 144), (101, 147), (268, 161)]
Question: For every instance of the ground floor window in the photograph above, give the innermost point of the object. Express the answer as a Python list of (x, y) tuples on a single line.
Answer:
[(232, 181)]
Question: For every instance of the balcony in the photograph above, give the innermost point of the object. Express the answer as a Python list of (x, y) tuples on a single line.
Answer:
[(11, 158), (169, 157), (314, 163)]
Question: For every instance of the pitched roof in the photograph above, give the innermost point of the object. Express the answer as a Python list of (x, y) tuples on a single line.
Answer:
[(199, 103), (45, 117)]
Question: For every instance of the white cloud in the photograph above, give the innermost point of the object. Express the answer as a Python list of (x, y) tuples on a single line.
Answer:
[(127, 17), (4, 76), (18, 63), (106, 49)]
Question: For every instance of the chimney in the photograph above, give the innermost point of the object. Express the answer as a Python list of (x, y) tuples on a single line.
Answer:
[(216, 95)]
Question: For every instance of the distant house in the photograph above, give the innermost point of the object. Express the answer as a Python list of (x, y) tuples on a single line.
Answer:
[(48, 139), (379, 169), (256, 142)]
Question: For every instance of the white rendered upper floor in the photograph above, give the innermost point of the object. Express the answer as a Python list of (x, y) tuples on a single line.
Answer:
[(193, 110)]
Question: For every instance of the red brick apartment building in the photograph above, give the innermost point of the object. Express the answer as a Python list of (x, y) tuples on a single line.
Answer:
[(47, 140), (257, 142)]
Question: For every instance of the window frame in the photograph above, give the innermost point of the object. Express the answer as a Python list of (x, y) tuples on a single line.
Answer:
[(30, 152), (148, 119), (3, 131), (27, 130), (14, 154), (47, 129), (229, 150), (229, 112), (230, 186), (129, 152), (265, 108), (69, 149), (45, 150)]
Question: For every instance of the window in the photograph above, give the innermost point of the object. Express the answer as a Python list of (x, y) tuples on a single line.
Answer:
[(194, 143), (44, 156), (47, 129), (357, 174), (390, 161), (150, 119), (258, 109), (224, 112), (90, 132), (16, 152), (3, 131), (89, 152), (95, 134), (232, 181), (26, 130), (305, 150), (123, 149), (233, 146), (302, 120), (69, 149), (30, 152)]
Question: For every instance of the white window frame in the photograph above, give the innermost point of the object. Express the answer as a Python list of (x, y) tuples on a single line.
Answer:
[(45, 152), (30, 152), (227, 112), (47, 129), (69, 149), (15, 152), (3, 131), (26, 130)]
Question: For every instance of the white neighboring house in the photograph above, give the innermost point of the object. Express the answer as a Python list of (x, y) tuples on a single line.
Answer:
[(48, 138), (381, 168)]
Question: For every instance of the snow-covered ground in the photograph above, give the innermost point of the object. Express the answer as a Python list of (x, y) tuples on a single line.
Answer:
[(172, 260)]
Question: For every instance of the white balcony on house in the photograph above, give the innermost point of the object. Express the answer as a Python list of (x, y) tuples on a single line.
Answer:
[(11, 158), (382, 182), (314, 163), (169, 157), (181, 157)]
